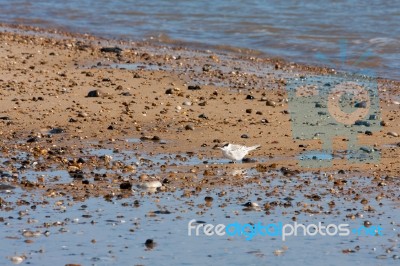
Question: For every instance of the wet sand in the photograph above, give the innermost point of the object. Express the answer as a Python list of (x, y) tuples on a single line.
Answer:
[(157, 114)]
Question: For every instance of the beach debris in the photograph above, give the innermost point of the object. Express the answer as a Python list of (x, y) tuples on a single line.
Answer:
[(194, 87), (115, 50), (95, 93), (150, 244)]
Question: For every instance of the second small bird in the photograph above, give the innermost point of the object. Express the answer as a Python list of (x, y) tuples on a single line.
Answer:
[(236, 152)]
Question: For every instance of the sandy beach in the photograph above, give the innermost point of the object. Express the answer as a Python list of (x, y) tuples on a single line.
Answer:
[(63, 95)]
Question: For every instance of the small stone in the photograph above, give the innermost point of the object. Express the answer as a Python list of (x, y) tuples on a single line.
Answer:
[(203, 116), (362, 104), (373, 117), (208, 199), (94, 93), (249, 111), (187, 103), (367, 224), (169, 91), (393, 134), (33, 139), (244, 136), (125, 185), (189, 127), (368, 133), (115, 50), (194, 87), (206, 67), (56, 130), (150, 244), (270, 103), (249, 97)]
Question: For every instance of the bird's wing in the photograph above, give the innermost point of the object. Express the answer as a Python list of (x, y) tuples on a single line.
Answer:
[(236, 147)]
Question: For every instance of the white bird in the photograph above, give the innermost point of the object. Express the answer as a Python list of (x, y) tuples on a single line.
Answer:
[(236, 152)]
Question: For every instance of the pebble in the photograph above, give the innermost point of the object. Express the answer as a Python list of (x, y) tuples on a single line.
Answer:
[(362, 104), (17, 259), (249, 97), (194, 87), (362, 123), (187, 103), (115, 50), (125, 185), (189, 127), (373, 117), (56, 130), (95, 93), (150, 184), (208, 199), (270, 103), (244, 136), (33, 139), (150, 244), (393, 134)]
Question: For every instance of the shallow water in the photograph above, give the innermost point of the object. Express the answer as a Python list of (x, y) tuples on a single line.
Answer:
[(344, 34), (99, 232)]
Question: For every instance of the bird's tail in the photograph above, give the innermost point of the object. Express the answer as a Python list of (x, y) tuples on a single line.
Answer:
[(254, 147)]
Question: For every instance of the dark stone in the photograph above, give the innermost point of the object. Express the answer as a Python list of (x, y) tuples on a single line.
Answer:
[(150, 244), (169, 91), (33, 139), (373, 117), (80, 160), (249, 160), (125, 185), (362, 123), (72, 120), (203, 116), (76, 174), (194, 87), (85, 182), (94, 93), (5, 118), (368, 133), (206, 67), (249, 97), (362, 104), (342, 172), (56, 130), (115, 50), (110, 127), (209, 199), (244, 136)]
